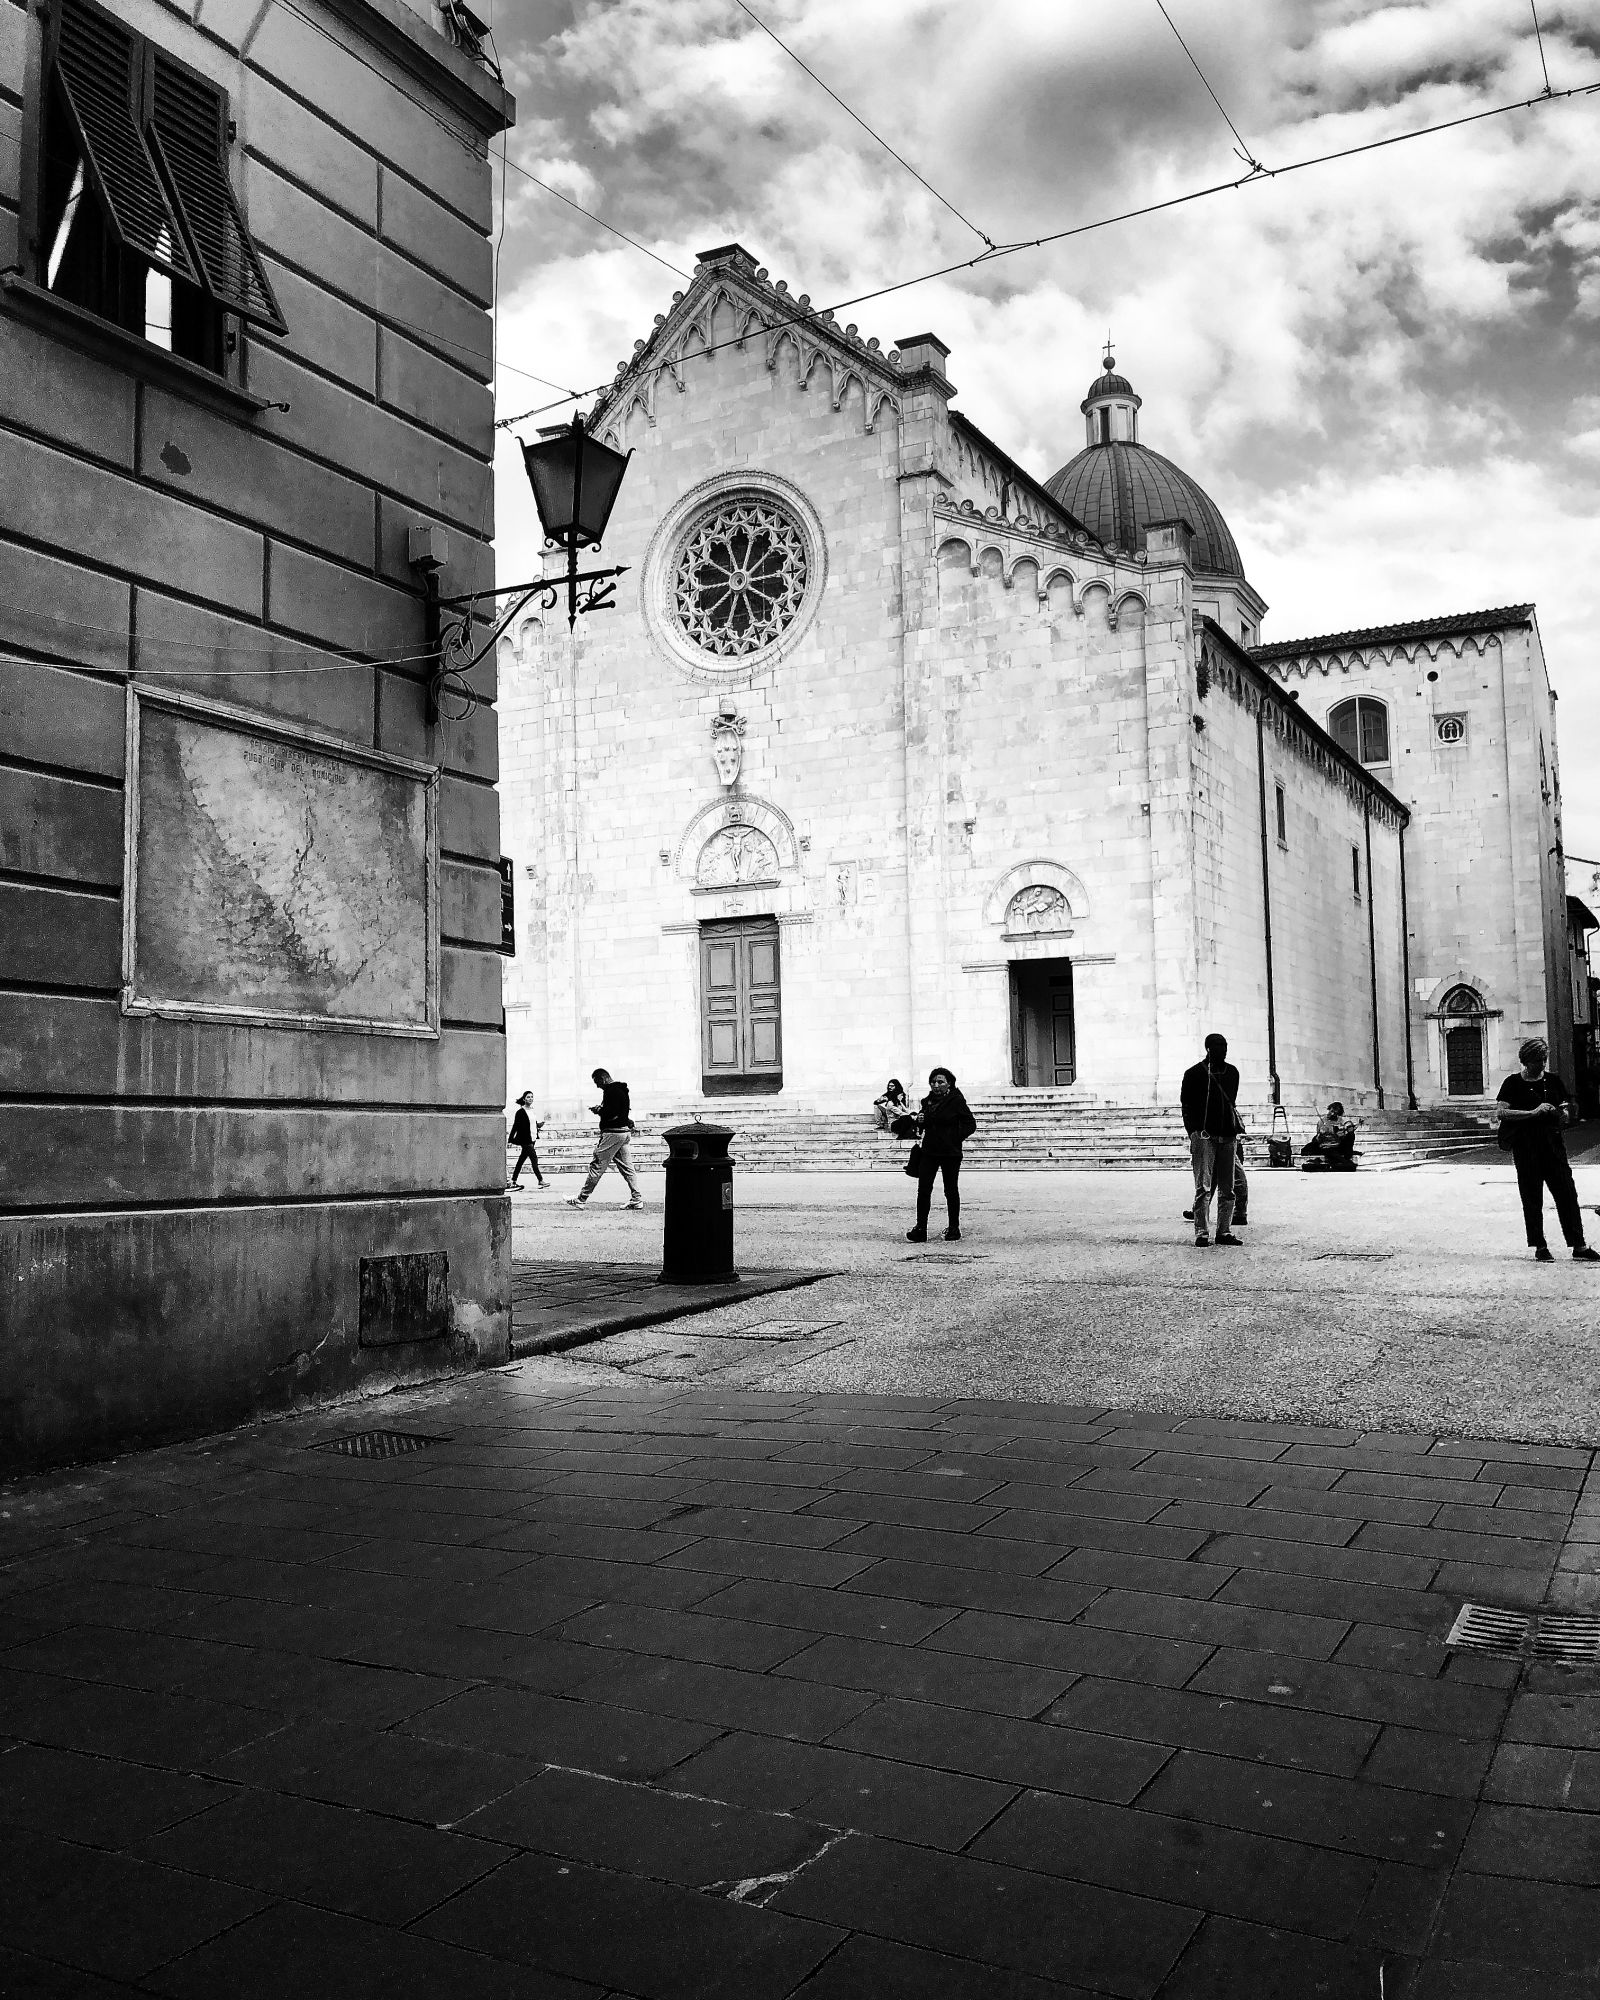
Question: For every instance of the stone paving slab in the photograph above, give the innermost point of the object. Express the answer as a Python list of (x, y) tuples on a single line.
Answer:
[(631, 1690), (556, 1305)]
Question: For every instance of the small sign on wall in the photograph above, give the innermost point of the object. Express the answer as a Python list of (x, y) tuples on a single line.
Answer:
[(508, 908)]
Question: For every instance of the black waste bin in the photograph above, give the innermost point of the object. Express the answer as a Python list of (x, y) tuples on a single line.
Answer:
[(697, 1226)]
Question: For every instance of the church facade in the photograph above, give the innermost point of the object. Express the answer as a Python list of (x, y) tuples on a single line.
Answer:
[(892, 755)]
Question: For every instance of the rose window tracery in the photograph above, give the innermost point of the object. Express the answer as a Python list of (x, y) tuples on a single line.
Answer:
[(741, 577)]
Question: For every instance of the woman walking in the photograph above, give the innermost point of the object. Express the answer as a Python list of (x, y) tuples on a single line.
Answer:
[(524, 1136), (946, 1120)]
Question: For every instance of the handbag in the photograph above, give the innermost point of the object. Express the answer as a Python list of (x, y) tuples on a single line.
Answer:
[(913, 1165)]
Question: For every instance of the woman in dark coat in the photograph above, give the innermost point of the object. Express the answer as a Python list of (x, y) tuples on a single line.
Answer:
[(946, 1121)]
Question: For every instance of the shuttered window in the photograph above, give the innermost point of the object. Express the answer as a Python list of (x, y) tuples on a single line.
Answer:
[(136, 183)]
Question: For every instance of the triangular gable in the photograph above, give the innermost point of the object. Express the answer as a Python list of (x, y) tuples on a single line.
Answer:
[(762, 310)]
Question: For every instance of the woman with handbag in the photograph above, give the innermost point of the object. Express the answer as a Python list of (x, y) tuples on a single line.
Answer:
[(945, 1122)]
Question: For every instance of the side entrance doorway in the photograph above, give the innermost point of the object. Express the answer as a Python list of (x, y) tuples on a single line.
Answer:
[(741, 1009), (1043, 1037)]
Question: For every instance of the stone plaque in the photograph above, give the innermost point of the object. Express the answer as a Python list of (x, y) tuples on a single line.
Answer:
[(274, 875)]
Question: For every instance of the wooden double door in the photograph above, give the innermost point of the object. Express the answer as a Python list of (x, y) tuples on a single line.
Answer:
[(741, 1007)]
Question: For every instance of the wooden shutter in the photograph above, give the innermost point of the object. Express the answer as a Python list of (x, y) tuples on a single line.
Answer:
[(189, 127), (99, 65)]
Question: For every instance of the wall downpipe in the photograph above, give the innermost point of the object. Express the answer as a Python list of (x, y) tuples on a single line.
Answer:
[(1372, 949), (1405, 971), (1266, 903)]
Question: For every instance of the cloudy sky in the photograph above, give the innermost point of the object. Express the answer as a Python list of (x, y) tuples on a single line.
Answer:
[(1384, 370)]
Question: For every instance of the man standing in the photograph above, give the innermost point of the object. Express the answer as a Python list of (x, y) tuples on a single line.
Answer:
[(1212, 1123), (1530, 1129), (611, 1148)]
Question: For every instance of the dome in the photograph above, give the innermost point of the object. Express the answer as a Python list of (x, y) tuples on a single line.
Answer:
[(1118, 490), (1118, 487), (1107, 384)]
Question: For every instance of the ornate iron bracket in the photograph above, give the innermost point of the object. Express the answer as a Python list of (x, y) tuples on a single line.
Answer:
[(453, 648)]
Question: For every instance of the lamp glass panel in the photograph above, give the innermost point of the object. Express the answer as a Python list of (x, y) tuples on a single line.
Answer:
[(602, 478), (551, 464)]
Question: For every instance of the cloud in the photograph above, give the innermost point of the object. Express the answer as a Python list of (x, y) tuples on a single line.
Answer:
[(1374, 365)]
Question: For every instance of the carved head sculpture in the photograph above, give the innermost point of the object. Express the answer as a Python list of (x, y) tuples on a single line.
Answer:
[(727, 745)]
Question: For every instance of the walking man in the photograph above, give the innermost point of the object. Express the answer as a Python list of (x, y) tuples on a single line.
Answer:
[(525, 1137), (1532, 1115), (1212, 1123), (611, 1148)]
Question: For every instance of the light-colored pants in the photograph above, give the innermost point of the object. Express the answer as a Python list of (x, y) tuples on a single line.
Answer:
[(1214, 1161), (611, 1150)]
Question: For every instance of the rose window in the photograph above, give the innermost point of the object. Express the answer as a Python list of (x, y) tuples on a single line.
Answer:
[(741, 577)]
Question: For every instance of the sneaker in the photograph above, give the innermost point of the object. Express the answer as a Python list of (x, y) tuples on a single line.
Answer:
[(543, 1188), (634, 1207), (1543, 1254), (1239, 1221), (1231, 1241), (1202, 1241), (954, 1236), (1188, 1215), (916, 1236), (576, 1201), (1584, 1255)]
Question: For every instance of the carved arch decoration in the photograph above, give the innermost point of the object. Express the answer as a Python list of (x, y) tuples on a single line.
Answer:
[(1042, 914), (1462, 978), (738, 816)]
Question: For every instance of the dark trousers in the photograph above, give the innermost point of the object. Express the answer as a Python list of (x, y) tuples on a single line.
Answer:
[(1550, 1169), (527, 1153), (926, 1175)]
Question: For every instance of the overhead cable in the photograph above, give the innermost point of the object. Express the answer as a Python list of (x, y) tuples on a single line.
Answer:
[(877, 137), (1241, 148), (1539, 37), (1251, 179)]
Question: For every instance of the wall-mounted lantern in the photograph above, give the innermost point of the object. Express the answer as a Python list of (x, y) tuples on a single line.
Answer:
[(575, 480)]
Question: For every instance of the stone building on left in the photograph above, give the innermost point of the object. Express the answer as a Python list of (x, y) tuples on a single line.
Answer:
[(251, 1039)]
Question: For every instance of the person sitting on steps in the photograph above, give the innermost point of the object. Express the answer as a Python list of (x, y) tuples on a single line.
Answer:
[(892, 1106), (1332, 1147)]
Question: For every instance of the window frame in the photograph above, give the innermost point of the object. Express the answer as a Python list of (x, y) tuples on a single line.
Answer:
[(1355, 871), (1356, 704), (25, 290), (1282, 813)]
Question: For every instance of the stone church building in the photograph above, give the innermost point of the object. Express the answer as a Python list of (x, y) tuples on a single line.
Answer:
[(892, 755)]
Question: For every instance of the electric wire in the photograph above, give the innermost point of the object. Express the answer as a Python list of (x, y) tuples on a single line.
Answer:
[(1171, 202), (878, 137), (1241, 148)]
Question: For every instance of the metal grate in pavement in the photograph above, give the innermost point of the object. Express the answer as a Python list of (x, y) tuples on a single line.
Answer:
[(1569, 1638), (378, 1444)]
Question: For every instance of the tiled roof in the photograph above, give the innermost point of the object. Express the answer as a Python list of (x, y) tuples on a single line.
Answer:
[(1416, 628)]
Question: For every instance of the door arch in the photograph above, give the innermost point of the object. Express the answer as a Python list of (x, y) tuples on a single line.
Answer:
[(1462, 1016)]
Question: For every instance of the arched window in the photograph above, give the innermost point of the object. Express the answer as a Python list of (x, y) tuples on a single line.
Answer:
[(1462, 1015), (1361, 727)]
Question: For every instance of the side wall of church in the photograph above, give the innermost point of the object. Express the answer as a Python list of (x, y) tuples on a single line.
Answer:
[(1484, 894), (1329, 926)]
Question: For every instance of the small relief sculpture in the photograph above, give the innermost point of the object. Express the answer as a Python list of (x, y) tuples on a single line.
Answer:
[(727, 745), (735, 857), (1040, 908)]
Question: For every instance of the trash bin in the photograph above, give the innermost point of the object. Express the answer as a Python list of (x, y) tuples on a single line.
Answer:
[(1280, 1152), (697, 1224)]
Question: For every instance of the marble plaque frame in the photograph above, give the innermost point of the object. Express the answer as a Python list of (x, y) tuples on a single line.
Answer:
[(137, 999)]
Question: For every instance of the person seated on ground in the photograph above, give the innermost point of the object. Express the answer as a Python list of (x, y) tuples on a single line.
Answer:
[(1332, 1147), (892, 1105)]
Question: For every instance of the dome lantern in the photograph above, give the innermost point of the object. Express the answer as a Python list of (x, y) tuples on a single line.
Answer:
[(1111, 409)]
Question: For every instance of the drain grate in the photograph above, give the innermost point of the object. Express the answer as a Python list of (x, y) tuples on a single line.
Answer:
[(1569, 1638), (378, 1444)]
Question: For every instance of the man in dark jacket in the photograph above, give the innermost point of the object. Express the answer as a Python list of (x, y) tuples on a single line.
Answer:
[(611, 1148), (1212, 1123), (946, 1121)]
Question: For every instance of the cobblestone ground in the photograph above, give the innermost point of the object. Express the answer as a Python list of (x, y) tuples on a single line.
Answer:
[(1394, 1301), (639, 1679)]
